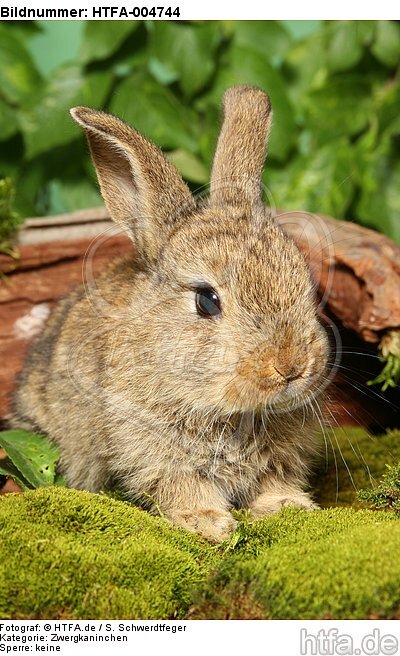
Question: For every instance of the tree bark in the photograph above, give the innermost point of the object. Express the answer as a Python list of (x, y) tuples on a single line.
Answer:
[(357, 271)]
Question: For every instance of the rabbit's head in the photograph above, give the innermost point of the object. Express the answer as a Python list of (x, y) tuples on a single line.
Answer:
[(226, 308)]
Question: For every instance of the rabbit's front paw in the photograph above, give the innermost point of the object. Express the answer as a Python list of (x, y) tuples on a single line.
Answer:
[(271, 502), (214, 525)]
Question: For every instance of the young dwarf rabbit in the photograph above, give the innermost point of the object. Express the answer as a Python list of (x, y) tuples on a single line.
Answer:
[(186, 375)]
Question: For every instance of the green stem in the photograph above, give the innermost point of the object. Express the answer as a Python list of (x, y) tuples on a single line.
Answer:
[(389, 354)]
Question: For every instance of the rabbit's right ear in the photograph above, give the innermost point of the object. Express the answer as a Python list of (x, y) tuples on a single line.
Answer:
[(241, 149), (143, 192)]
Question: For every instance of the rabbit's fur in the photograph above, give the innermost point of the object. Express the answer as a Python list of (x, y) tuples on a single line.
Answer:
[(192, 415)]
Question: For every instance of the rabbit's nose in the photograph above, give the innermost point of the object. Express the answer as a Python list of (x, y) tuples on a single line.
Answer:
[(292, 373)]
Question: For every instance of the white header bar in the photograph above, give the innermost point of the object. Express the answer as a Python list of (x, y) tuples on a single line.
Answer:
[(196, 10)]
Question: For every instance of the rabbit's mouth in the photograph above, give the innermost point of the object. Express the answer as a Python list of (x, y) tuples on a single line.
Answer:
[(253, 393)]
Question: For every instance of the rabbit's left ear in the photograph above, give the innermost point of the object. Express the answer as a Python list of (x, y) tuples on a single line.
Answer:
[(241, 148), (144, 193)]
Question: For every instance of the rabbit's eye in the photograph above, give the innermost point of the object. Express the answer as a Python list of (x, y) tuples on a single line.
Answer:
[(207, 302)]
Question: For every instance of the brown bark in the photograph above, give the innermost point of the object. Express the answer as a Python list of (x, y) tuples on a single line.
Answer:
[(44, 273), (357, 270)]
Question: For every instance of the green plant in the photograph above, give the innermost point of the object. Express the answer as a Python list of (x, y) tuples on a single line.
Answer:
[(9, 218), (31, 460), (389, 349), (71, 554), (334, 85), (386, 495)]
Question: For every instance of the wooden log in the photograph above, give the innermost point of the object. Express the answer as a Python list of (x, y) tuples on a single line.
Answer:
[(357, 271), (43, 273)]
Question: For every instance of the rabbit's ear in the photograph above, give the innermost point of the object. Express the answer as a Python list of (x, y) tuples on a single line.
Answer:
[(143, 192), (241, 148)]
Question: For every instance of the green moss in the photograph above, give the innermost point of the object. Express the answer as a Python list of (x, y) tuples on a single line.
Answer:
[(340, 563), (357, 460), (76, 554), (73, 554)]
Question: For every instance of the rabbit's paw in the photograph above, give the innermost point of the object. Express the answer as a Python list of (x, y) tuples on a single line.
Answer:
[(271, 502), (214, 525)]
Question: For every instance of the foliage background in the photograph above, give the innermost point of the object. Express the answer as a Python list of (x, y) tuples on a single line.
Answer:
[(335, 89)]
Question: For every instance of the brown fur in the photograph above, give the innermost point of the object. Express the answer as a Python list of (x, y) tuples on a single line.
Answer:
[(197, 415)]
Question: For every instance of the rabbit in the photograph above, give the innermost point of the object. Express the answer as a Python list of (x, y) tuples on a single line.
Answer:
[(187, 374)]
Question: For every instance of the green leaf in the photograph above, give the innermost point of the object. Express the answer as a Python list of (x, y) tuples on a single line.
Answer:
[(321, 182), (269, 38), (71, 195), (24, 30), (346, 45), (342, 107), (155, 111), (366, 30), (189, 166), (60, 480), (386, 47), (8, 121), (162, 72), (18, 75), (187, 51), (379, 204), (210, 113), (11, 156), (103, 38), (29, 185), (386, 107), (8, 469), (44, 44), (300, 29), (46, 121), (33, 455), (306, 67), (249, 67)]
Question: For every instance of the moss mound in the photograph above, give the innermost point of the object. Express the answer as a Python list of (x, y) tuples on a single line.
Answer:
[(340, 563), (353, 460), (73, 554)]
